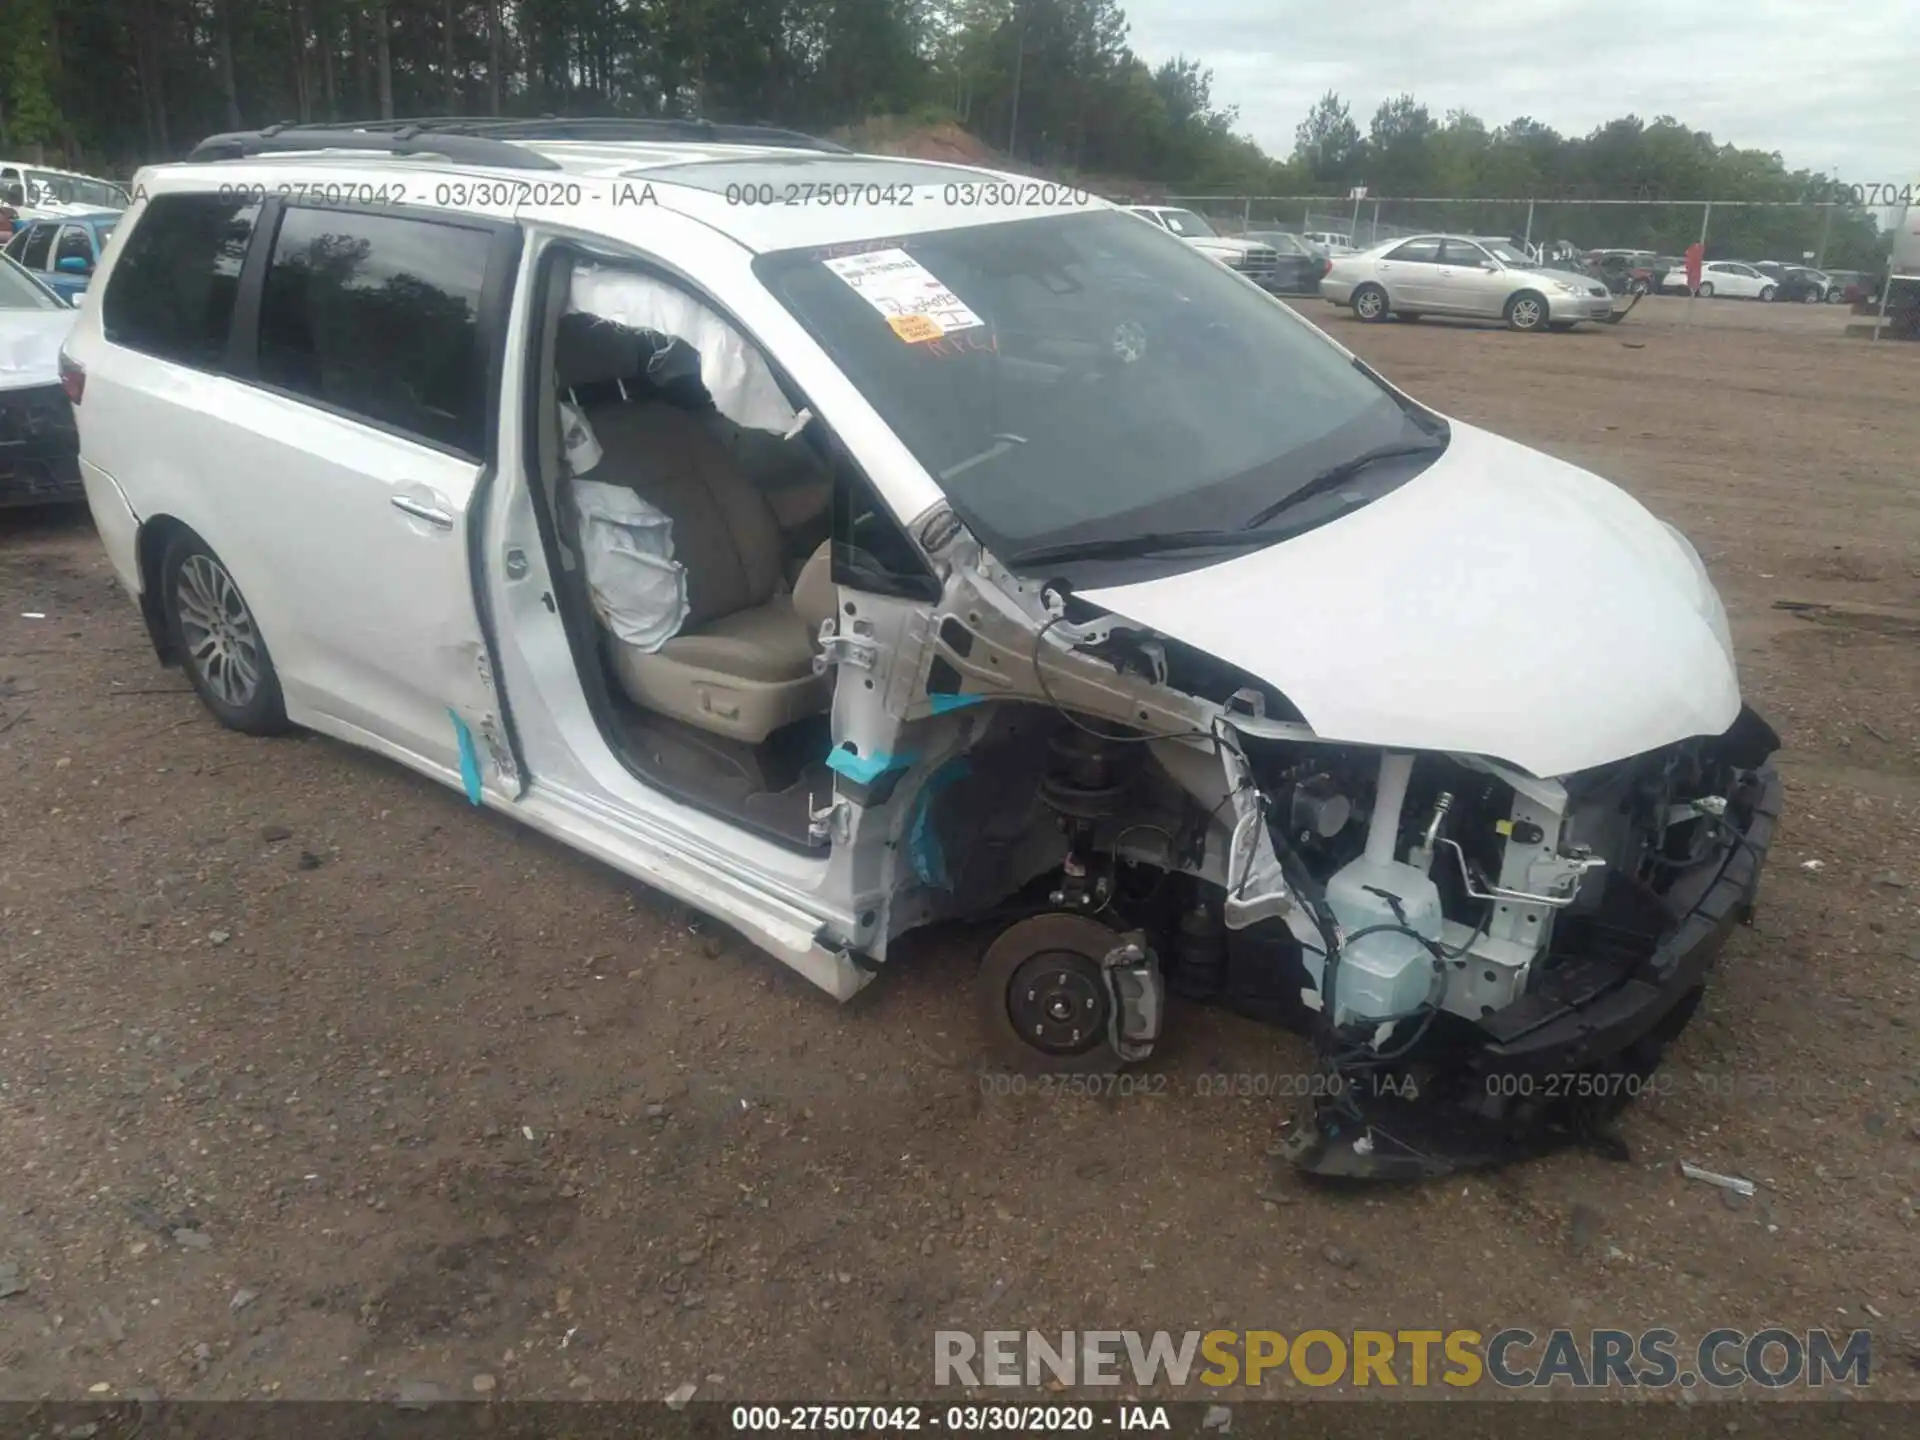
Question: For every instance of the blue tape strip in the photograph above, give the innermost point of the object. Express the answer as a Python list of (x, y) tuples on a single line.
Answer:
[(864, 769), (469, 758), (923, 846), (941, 704)]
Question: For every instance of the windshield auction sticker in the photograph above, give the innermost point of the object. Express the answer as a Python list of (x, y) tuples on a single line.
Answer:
[(913, 301)]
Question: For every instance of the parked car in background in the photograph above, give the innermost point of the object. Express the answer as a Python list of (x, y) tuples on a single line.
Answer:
[(31, 191), (1736, 279), (1850, 287), (63, 253), (1455, 275), (1331, 241), (1257, 261), (1726, 278), (1795, 282), (39, 449), (1301, 264)]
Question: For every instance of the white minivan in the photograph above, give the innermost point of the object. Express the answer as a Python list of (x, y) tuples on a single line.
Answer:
[(849, 544)]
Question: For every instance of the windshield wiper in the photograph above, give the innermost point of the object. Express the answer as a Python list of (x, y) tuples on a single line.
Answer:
[(1335, 475), (1123, 547)]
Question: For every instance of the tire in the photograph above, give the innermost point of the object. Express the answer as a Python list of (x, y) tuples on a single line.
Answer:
[(1638, 287), (1047, 968), (1527, 312), (1812, 297), (1369, 303), (218, 640), (1705, 292), (1767, 292)]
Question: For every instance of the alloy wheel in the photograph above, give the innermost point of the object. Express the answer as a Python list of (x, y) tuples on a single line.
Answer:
[(222, 641)]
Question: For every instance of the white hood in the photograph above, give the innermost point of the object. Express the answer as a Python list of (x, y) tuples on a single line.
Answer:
[(30, 346), (1500, 603), (1223, 244)]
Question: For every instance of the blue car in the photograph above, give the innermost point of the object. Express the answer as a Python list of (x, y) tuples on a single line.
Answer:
[(63, 251)]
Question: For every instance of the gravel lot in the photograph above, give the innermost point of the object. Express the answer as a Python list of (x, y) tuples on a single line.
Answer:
[(316, 1082)]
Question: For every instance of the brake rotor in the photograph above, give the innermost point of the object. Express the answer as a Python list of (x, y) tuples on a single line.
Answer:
[(1043, 994)]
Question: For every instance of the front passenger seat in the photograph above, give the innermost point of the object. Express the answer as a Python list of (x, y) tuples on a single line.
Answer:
[(742, 663)]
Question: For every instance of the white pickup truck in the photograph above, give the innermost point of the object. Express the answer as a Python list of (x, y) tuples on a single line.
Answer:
[(1259, 263)]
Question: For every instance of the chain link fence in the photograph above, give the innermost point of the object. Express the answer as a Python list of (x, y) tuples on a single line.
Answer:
[(1824, 235)]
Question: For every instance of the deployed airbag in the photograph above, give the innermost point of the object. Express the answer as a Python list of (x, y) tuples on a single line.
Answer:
[(638, 589), (734, 372)]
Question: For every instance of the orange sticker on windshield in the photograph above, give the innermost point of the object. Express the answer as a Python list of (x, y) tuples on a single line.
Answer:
[(915, 328)]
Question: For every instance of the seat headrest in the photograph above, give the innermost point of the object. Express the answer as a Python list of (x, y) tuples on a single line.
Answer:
[(588, 350)]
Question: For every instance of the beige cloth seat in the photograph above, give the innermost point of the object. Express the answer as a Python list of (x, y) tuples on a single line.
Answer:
[(742, 664)]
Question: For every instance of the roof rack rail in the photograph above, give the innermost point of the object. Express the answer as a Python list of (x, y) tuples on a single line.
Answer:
[(588, 128), (395, 138)]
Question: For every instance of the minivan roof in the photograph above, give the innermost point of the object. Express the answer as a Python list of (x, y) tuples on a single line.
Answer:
[(765, 196)]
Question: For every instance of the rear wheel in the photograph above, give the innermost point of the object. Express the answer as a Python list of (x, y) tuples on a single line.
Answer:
[(1370, 303), (1637, 287), (1811, 297), (218, 641), (1705, 292), (1527, 312)]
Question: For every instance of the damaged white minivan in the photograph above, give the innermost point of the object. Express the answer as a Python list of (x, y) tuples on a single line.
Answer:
[(846, 545)]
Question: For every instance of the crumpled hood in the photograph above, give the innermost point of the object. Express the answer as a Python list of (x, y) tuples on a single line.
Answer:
[(30, 346), (1500, 603)]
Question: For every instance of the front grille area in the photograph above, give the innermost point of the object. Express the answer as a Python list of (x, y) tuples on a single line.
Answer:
[(39, 448), (35, 414), (1260, 262)]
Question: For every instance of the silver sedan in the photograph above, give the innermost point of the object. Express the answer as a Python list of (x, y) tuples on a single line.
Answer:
[(1453, 275)]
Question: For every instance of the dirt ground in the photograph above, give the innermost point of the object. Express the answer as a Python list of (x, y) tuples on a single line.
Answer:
[(316, 1082)]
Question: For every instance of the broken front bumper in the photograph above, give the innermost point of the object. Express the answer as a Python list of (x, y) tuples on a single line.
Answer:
[(1555, 1065)]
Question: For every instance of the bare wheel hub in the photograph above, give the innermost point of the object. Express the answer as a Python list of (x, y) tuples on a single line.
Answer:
[(1057, 1001)]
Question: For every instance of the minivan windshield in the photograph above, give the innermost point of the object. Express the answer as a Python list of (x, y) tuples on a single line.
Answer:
[(1084, 377)]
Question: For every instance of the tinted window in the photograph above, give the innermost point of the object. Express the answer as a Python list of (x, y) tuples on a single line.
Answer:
[(18, 243), (379, 316), (1418, 252), (172, 293), (39, 242), (74, 243)]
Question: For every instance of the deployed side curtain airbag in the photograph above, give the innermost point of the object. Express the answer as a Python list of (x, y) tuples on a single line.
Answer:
[(734, 372)]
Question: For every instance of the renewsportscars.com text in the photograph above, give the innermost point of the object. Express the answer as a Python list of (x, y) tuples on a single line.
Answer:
[(1510, 1358)]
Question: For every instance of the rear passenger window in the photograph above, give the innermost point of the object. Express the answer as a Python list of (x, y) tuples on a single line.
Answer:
[(74, 245), (172, 293), (378, 316), (39, 241), (1418, 252)]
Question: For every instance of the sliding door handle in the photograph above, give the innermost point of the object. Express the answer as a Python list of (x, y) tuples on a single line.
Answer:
[(440, 519)]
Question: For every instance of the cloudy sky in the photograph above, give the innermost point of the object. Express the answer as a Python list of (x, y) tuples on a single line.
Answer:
[(1832, 86)]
